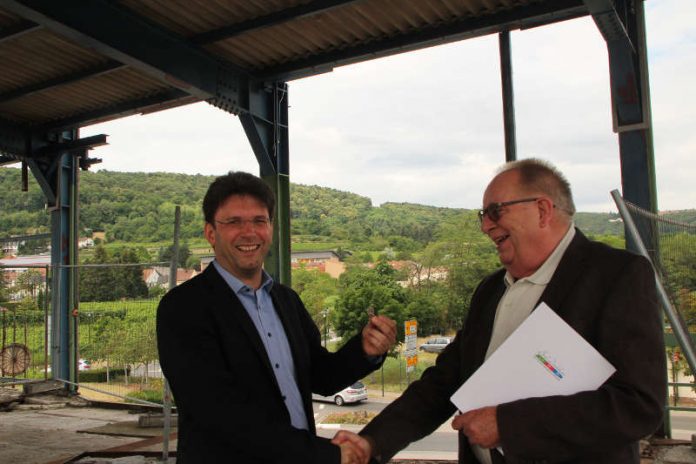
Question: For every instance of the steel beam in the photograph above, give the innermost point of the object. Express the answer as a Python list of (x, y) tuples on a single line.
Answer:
[(57, 177), (13, 139), (622, 24), (62, 80), (139, 105), (7, 160), (508, 96), (115, 32), (17, 30), (528, 16), (72, 146), (19, 238), (269, 20), (268, 135), (623, 61), (24, 145)]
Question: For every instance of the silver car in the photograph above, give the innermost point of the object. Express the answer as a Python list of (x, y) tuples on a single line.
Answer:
[(435, 345), (352, 394)]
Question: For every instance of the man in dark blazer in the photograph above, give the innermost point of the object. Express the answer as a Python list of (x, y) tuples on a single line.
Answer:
[(241, 353), (607, 295)]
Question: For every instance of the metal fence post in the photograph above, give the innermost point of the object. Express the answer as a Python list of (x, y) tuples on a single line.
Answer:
[(167, 394)]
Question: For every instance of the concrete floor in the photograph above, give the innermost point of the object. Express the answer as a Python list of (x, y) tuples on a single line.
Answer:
[(53, 432), (39, 436)]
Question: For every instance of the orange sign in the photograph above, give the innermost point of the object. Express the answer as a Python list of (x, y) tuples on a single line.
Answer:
[(410, 340)]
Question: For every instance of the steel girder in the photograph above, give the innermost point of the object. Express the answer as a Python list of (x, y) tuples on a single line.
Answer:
[(57, 177), (508, 96), (115, 32), (622, 24), (532, 15), (266, 127), (300, 11)]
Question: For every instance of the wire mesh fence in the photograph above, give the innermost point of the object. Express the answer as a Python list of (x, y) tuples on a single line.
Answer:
[(24, 334), (672, 246), (117, 344)]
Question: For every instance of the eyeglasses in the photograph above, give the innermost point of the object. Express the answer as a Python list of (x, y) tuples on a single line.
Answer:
[(237, 223), (494, 209)]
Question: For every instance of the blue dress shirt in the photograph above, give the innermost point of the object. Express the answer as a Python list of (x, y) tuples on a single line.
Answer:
[(259, 306)]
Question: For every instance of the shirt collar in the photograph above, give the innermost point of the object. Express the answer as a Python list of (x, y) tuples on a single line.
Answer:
[(237, 285), (543, 275)]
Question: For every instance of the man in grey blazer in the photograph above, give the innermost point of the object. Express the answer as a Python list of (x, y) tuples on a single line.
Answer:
[(607, 295), (242, 353)]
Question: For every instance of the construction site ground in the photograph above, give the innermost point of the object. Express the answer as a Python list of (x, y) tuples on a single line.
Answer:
[(57, 429)]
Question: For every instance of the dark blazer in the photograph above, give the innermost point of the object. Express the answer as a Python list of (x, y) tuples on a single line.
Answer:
[(229, 404), (609, 297)]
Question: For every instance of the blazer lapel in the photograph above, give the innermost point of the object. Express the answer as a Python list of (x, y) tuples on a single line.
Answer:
[(229, 308), (567, 272)]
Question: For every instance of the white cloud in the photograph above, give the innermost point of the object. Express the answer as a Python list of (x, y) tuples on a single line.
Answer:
[(426, 126)]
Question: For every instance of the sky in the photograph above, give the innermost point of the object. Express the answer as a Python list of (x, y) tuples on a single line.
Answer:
[(427, 126)]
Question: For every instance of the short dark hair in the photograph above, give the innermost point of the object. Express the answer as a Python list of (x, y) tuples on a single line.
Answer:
[(236, 183), (541, 176)]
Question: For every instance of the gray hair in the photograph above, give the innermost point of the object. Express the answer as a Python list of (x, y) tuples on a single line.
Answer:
[(541, 176)]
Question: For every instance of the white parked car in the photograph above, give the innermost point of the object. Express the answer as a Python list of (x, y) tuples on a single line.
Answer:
[(435, 345), (352, 394)]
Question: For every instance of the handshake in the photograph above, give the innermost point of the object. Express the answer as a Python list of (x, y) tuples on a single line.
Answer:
[(354, 448), (479, 425)]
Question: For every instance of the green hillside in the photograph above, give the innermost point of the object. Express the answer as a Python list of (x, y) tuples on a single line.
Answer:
[(139, 208)]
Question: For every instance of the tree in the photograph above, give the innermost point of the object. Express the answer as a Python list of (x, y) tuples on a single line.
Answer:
[(165, 254), (429, 309), (129, 279), (97, 283), (29, 282), (361, 288), (108, 283), (318, 292), (468, 256), (3, 286)]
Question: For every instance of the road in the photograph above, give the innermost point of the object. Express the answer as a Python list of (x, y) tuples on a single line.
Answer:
[(443, 443), (683, 424)]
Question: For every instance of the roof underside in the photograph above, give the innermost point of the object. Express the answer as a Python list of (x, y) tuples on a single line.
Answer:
[(70, 63)]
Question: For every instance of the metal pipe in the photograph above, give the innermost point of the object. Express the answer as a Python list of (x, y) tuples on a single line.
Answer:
[(99, 390)]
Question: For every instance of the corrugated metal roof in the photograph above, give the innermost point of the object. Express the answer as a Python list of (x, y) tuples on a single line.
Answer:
[(70, 63)]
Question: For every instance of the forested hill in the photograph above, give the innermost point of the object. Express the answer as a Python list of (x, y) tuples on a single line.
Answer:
[(138, 207)]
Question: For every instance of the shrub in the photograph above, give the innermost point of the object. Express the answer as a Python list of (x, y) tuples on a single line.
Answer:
[(153, 396), (99, 375)]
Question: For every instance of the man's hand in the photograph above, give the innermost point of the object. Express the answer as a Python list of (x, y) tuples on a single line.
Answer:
[(480, 426), (378, 336), (354, 448)]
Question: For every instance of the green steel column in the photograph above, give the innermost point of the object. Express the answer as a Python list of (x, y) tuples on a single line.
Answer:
[(266, 128)]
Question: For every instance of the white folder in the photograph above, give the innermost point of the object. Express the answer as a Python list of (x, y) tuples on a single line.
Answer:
[(543, 357)]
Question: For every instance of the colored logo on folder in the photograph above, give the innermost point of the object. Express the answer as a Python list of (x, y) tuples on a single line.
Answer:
[(550, 367)]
